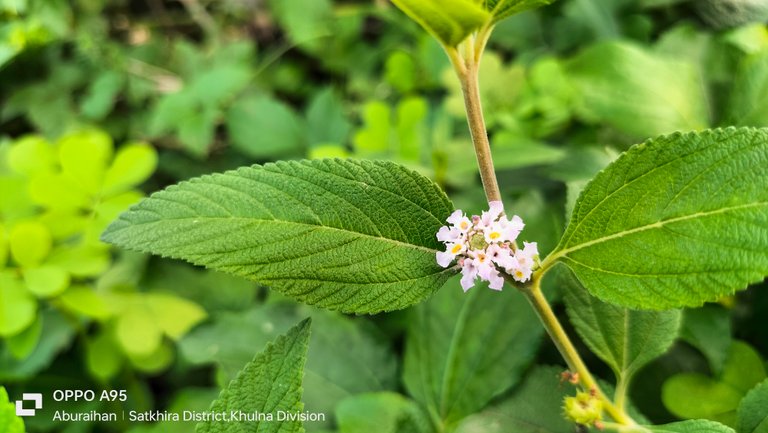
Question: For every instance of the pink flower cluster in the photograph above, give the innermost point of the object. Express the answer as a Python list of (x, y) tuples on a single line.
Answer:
[(485, 245)]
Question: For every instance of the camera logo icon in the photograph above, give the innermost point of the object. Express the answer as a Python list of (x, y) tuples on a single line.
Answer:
[(36, 398)]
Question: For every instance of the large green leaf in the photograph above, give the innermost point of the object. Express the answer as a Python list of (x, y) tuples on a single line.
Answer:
[(676, 221), (637, 91), (535, 408), (625, 339), (357, 236), (450, 21), (268, 384), (344, 357), (464, 349), (752, 414)]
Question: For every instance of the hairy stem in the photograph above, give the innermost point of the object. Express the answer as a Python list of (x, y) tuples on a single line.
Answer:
[(467, 68), (568, 351)]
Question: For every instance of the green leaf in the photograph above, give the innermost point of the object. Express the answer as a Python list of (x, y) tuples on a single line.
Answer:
[(344, 359), (383, 412), (676, 221), (458, 357), (56, 336), (21, 345), (46, 281), (262, 127), (326, 119), (102, 356), (29, 243), (505, 8), (691, 426), (708, 329), (84, 156), (638, 92), (9, 422), (450, 21), (536, 407), (694, 395), (749, 98), (18, 308), (356, 236), (133, 164), (625, 339), (269, 383), (752, 414)]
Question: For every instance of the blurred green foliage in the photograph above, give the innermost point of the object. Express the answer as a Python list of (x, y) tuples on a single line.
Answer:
[(193, 87)]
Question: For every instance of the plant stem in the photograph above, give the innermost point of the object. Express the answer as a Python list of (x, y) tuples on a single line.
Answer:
[(467, 69), (568, 351)]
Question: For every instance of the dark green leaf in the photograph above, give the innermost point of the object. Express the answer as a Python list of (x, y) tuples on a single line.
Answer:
[(676, 221), (464, 349), (708, 329), (347, 235), (752, 414), (268, 384), (625, 339), (534, 408)]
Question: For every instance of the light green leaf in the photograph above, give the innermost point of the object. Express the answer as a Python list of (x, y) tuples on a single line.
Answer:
[(752, 414), (625, 339), (458, 356), (694, 395), (708, 329), (638, 92), (137, 331), (450, 21), (534, 408), (133, 164), (46, 281), (383, 412), (356, 236), (693, 207), (174, 316), (84, 156), (102, 356), (691, 426), (31, 155), (86, 301), (344, 359), (18, 308), (505, 8), (9, 422), (411, 113), (749, 98), (373, 139), (29, 243), (269, 383), (21, 345), (262, 127)]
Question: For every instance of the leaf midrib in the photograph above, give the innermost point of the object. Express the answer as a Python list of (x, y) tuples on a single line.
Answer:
[(659, 224), (260, 220)]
